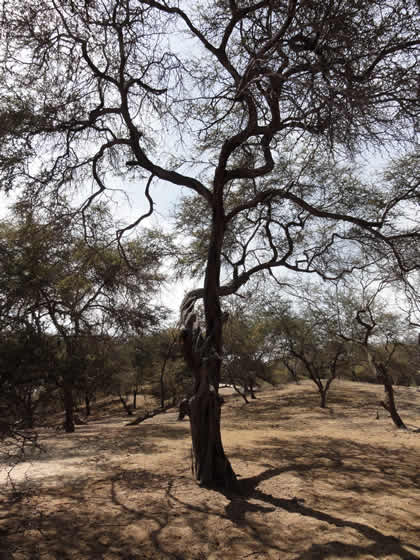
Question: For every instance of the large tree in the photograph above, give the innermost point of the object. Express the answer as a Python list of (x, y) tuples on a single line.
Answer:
[(227, 88)]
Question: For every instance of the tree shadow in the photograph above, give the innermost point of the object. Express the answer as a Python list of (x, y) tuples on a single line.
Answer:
[(361, 467), (89, 441), (118, 513), (239, 505), (71, 522), (155, 502)]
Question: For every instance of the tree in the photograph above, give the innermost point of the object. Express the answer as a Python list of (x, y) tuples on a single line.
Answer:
[(101, 360), (306, 336), (27, 360), (124, 379), (366, 320), (27, 351), (248, 349), (78, 290), (250, 80), (168, 363)]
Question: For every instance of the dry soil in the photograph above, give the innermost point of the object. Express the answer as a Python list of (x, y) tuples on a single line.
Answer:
[(316, 484)]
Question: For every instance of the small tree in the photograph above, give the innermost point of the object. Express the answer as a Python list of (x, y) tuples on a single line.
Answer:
[(308, 339), (174, 380), (248, 349), (365, 320)]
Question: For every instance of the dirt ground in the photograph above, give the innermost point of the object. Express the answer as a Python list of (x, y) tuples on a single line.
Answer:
[(316, 484)]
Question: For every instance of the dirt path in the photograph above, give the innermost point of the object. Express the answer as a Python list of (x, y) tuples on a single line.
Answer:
[(317, 484)]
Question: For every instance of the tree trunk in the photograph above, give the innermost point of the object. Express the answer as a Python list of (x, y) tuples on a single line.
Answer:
[(323, 394), (68, 406), (382, 375), (389, 403), (28, 413), (203, 355), (251, 389), (28, 419), (292, 372), (241, 393), (126, 406), (316, 378), (210, 464), (151, 414), (134, 399), (162, 388), (87, 404), (162, 375)]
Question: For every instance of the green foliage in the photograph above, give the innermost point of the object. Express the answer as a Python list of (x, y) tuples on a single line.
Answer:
[(63, 283), (27, 375), (249, 349)]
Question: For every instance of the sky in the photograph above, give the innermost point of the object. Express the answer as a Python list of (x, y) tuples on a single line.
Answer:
[(127, 208), (128, 202)]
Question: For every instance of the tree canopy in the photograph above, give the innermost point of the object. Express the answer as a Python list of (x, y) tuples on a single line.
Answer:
[(61, 297), (246, 105)]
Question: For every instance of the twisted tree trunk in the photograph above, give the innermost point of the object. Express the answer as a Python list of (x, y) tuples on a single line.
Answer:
[(203, 354), (210, 464), (389, 403)]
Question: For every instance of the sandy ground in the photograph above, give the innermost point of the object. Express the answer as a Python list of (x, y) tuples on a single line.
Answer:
[(316, 484)]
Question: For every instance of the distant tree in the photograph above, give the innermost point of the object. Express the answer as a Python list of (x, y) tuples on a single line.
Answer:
[(365, 319), (27, 360), (97, 368), (308, 339), (174, 380), (124, 377), (78, 286), (248, 350)]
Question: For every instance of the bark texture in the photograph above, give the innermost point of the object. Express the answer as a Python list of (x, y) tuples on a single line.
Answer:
[(210, 466)]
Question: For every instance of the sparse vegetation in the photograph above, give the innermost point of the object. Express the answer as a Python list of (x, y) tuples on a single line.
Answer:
[(314, 484)]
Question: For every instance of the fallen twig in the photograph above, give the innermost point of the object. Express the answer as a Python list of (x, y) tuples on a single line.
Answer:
[(150, 414)]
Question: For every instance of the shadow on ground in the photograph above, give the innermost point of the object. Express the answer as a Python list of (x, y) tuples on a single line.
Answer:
[(87, 443), (301, 496)]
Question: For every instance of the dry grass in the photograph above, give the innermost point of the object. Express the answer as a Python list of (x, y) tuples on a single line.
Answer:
[(316, 484)]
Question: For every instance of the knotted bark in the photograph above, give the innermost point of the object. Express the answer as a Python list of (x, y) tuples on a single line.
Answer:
[(210, 465)]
